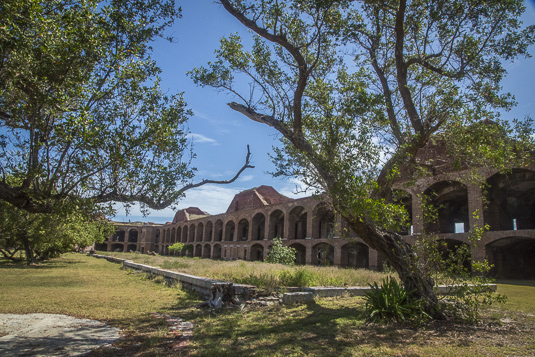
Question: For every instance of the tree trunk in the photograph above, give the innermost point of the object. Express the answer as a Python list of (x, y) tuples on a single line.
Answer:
[(30, 257), (404, 260)]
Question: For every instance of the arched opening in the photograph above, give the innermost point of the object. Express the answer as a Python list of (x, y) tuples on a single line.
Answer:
[(218, 230), (230, 227), (511, 201), (206, 251), (217, 252), (450, 199), (276, 224), (298, 223), (118, 236), (131, 248), (259, 226), (323, 222), (243, 229), (208, 231), (512, 257), (404, 198), (117, 247), (101, 246), (157, 249), (200, 231), (185, 234), (355, 255), (323, 254), (173, 235), (300, 253), (157, 236), (198, 250), (192, 233), (257, 252)]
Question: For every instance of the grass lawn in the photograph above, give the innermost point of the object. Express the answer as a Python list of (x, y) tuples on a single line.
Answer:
[(87, 287)]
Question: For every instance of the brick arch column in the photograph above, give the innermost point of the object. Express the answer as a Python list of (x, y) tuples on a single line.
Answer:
[(475, 203), (417, 214)]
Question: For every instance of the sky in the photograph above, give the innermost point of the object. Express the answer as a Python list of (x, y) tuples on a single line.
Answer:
[(221, 135)]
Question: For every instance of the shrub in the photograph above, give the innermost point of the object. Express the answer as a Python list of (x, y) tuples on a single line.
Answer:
[(391, 302), (280, 254), (177, 247)]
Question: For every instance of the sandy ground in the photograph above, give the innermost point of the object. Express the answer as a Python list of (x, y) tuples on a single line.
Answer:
[(52, 335)]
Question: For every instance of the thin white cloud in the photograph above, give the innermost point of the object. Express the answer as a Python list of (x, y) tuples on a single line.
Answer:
[(213, 199), (294, 189), (201, 115), (246, 178), (201, 139)]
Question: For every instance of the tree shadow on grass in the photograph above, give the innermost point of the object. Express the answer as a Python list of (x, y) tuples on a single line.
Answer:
[(47, 264), (516, 282), (319, 331)]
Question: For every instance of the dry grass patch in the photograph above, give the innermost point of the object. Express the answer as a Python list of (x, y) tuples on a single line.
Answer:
[(257, 273)]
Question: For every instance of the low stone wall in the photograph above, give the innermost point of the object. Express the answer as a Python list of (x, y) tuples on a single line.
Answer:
[(308, 294), (202, 285)]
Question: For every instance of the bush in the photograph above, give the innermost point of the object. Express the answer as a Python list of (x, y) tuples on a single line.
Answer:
[(177, 247), (391, 302), (280, 254)]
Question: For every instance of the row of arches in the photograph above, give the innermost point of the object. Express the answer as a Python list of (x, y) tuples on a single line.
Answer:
[(353, 254), (511, 257), (276, 224), (508, 203), (120, 236)]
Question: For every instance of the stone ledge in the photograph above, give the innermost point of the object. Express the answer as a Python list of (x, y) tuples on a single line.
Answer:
[(297, 298)]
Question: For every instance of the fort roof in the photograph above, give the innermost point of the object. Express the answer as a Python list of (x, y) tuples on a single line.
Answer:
[(189, 214), (256, 198)]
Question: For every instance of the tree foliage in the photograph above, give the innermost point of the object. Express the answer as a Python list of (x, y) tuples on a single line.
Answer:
[(82, 113), (177, 247), (357, 88), (280, 254), (42, 236)]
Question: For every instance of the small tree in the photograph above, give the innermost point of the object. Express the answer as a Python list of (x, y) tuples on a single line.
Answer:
[(280, 254), (177, 247)]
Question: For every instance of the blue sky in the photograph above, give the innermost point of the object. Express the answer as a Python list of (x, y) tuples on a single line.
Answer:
[(221, 135)]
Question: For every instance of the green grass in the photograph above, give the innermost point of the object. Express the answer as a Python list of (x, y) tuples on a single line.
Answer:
[(82, 286), (85, 287), (520, 294), (336, 327)]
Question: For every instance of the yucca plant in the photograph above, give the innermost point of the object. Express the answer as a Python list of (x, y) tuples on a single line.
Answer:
[(391, 302)]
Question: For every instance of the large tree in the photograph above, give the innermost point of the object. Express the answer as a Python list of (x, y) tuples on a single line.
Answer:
[(82, 114), (356, 88)]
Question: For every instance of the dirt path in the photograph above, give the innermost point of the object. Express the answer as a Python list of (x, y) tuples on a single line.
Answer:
[(52, 335)]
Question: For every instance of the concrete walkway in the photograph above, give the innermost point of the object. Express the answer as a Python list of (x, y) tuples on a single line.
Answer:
[(52, 335)]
